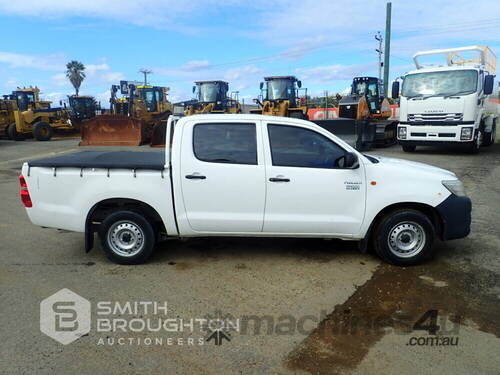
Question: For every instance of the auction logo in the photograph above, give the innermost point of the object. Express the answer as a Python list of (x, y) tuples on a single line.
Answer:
[(65, 316)]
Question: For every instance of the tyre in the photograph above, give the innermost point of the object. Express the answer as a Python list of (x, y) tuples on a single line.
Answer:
[(298, 114), (42, 131), (489, 137), (474, 146), (13, 134), (409, 148), (404, 238), (127, 237)]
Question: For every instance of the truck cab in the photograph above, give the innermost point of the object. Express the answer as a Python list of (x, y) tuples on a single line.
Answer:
[(448, 104)]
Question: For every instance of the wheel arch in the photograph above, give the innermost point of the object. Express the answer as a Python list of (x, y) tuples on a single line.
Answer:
[(425, 209), (104, 207)]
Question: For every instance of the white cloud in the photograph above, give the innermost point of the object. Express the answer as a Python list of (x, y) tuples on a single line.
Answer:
[(45, 62), (195, 65), (336, 72)]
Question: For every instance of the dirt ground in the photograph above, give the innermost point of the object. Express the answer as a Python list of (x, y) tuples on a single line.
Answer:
[(305, 306)]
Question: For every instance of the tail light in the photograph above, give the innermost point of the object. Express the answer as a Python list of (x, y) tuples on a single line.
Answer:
[(25, 194)]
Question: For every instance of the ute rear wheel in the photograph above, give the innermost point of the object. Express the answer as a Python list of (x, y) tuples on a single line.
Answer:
[(13, 134), (42, 131), (404, 238), (127, 237)]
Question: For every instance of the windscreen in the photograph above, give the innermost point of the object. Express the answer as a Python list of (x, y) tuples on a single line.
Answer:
[(280, 89), (457, 82), (208, 92)]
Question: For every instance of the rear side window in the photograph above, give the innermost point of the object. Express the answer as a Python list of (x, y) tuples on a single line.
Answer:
[(225, 143), (292, 146)]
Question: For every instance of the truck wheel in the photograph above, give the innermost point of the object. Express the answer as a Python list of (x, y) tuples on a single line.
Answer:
[(475, 145), (404, 238), (13, 134), (409, 148), (127, 238), (489, 137), (42, 131)]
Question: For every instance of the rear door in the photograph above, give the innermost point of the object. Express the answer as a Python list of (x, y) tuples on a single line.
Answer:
[(223, 176), (307, 192)]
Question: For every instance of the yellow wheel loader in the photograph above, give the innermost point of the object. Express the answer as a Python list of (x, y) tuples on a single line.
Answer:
[(132, 117), (281, 96), (212, 97), (7, 107), (366, 102), (35, 117)]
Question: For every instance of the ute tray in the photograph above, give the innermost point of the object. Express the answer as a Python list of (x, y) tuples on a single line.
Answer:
[(105, 159)]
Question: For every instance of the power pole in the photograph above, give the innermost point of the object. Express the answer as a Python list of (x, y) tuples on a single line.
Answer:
[(379, 38), (326, 105), (145, 72), (387, 52)]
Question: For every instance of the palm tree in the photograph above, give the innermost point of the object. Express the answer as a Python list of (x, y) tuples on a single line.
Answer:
[(75, 74)]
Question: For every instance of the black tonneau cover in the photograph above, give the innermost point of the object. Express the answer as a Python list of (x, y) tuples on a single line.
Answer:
[(105, 159)]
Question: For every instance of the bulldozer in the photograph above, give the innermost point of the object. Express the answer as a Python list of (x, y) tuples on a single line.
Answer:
[(82, 108), (366, 102), (280, 96), (211, 97), (33, 116), (132, 118)]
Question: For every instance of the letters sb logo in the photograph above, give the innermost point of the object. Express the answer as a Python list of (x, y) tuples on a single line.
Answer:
[(65, 316)]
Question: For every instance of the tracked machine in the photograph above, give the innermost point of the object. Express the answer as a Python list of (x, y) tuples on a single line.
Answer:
[(282, 96), (133, 116)]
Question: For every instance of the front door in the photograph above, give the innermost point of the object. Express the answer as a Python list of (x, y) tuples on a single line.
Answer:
[(223, 177), (307, 191)]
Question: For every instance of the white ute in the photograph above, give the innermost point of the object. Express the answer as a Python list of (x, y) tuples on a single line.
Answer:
[(246, 175)]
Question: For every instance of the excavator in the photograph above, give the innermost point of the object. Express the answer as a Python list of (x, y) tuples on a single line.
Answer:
[(132, 118), (33, 116), (212, 97), (280, 96)]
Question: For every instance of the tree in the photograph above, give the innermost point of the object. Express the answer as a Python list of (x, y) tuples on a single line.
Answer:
[(75, 73)]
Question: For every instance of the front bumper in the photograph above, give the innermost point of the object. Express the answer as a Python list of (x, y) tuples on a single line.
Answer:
[(455, 213), (433, 134)]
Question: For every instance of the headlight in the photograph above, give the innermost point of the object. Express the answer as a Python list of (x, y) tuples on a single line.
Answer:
[(466, 134), (402, 132), (455, 187)]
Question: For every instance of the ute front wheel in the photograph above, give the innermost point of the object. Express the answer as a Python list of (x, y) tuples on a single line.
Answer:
[(404, 238), (127, 237)]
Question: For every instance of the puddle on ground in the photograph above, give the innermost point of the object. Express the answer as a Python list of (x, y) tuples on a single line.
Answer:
[(392, 301)]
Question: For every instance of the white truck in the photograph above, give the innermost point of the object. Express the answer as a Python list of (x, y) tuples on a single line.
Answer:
[(450, 103), (246, 175)]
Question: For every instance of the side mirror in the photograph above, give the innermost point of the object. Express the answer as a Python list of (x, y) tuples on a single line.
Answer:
[(60, 103), (194, 89), (488, 84), (299, 84), (395, 90), (348, 161), (261, 85)]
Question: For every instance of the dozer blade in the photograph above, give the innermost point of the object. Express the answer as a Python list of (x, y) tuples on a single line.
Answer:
[(159, 134), (113, 130)]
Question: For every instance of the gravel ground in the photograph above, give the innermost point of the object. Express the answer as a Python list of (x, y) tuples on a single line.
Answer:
[(324, 307)]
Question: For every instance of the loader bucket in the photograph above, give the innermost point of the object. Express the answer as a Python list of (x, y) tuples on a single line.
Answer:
[(113, 130)]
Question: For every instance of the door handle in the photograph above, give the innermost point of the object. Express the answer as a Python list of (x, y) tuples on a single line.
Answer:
[(195, 177), (279, 179)]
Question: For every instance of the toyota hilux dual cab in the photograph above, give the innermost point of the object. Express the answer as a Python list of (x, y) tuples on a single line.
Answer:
[(246, 175)]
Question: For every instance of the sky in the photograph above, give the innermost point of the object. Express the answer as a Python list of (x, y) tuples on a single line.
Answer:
[(325, 43)]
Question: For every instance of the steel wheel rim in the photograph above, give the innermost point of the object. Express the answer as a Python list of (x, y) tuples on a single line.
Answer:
[(126, 238), (406, 239)]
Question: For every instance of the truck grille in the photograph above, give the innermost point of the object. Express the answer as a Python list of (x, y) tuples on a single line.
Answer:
[(435, 118)]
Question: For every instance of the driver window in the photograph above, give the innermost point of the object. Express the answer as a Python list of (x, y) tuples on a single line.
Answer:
[(293, 146)]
